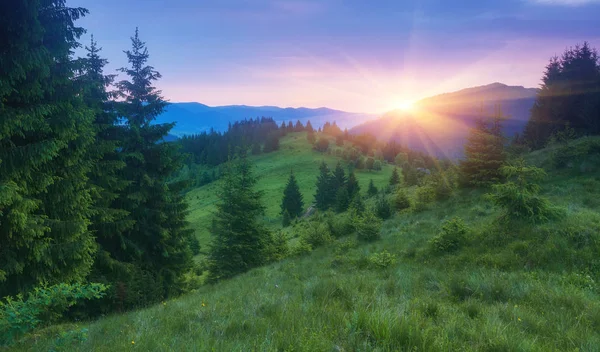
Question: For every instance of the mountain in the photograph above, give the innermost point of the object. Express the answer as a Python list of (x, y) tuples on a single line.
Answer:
[(195, 117), (439, 125)]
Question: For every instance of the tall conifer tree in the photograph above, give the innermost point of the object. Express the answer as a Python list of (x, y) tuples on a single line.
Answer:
[(325, 195), (239, 239), (45, 134), (159, 239)]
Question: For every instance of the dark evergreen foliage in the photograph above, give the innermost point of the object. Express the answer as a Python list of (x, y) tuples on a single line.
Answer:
[(352, 185), (239, 240), (322, 145), (46, 132), (570, 95), (292, 202), (484, 153), (158, 241), (372, 190), (272, 143), (395, 178), (325, 195)]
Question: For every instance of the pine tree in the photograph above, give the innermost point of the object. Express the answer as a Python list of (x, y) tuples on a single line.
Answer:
[(158, 241), (310, 136), (45, 134), (309, 127), (339, 178), (352, 185), (292, 202), (239, 240), (108, 221), (484, 153), (299, 127), (395, 178), (372, 190), (325, 196), (342, 199)]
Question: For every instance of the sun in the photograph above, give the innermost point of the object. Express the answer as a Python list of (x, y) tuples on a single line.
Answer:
[(406, 105)]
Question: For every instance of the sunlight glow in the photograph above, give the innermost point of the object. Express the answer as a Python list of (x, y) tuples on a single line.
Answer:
[(406, 105)]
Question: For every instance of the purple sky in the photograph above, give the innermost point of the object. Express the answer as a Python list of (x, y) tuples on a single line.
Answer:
[(357, 55)]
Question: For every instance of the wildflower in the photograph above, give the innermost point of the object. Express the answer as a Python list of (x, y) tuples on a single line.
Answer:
[(516, 306), (519, 319), (203, 305), (132, 342)]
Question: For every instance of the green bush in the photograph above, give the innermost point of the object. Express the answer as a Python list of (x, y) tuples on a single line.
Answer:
[(423, 197), (382, 260), (277, 249), (519, 196), (368, 227), (570, 154), (301, 248), (43, 306), (401, 200), (340, 225), (451, 238), (316, 233)]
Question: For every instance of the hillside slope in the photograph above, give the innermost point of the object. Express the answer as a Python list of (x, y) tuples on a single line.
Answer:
[(529, 288), (273, 169), (439, 125)]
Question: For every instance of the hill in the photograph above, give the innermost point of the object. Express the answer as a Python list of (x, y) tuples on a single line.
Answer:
[(195, 117), (439, 125), (532, 287), (295, 153)]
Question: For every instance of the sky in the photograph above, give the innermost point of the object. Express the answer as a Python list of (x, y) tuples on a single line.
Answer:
[(353, 55)]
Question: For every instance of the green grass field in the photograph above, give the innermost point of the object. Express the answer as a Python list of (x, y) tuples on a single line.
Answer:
[(524, 288), (273, 170)]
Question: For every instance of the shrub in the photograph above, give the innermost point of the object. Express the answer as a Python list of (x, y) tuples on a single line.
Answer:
[(301, 248), (367, 227), (443, 184), (44, 305), (401, 200), (423, 197), (340, 225), (451, 238), (382, 260), (277, 249), (519, 196), (383, 209), (322, 145), (316, 234), (345, 245)]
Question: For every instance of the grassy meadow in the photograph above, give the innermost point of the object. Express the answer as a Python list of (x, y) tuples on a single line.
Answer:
[(526, 287), (273, 169)]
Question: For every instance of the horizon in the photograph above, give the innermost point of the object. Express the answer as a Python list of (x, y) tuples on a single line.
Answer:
[(349, 57)]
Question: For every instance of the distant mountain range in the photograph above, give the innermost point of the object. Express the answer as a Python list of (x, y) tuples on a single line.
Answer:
[(439, 125), (193, 118)]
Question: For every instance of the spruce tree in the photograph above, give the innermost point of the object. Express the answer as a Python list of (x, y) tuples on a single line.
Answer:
[(158, 242), (484, 153), (395, 178), (239, 240), (372, 190), (325, 195), (309, 127), (342, 199), (339, 178), (108, 222), (299, 127), (310, 136), (292, 202), (352, 185), (45, 134)]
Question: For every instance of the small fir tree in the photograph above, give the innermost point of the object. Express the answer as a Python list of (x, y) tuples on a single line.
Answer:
[(292, 202), (372, 190), (325, 196), (395, 178)]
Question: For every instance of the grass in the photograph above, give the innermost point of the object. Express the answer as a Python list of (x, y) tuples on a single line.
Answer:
[(273, 170), (509, 288)]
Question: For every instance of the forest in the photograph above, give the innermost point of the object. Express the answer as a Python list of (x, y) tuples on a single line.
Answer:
[(105, 222)]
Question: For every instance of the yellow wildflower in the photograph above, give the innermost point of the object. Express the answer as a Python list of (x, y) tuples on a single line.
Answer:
[(133, 342)]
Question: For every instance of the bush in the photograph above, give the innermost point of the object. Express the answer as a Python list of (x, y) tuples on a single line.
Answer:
[(382, 260), (451, 238), (443, 184), (194, 244), (519, 196), (322, 145), (44, 305), (277, 249), (424, 196), (340, 225), (401, 200), (383, 209), (302, 248), (316, 234), (367, 227)]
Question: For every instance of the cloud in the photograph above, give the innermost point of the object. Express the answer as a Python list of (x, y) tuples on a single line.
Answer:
[(566, 2)]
